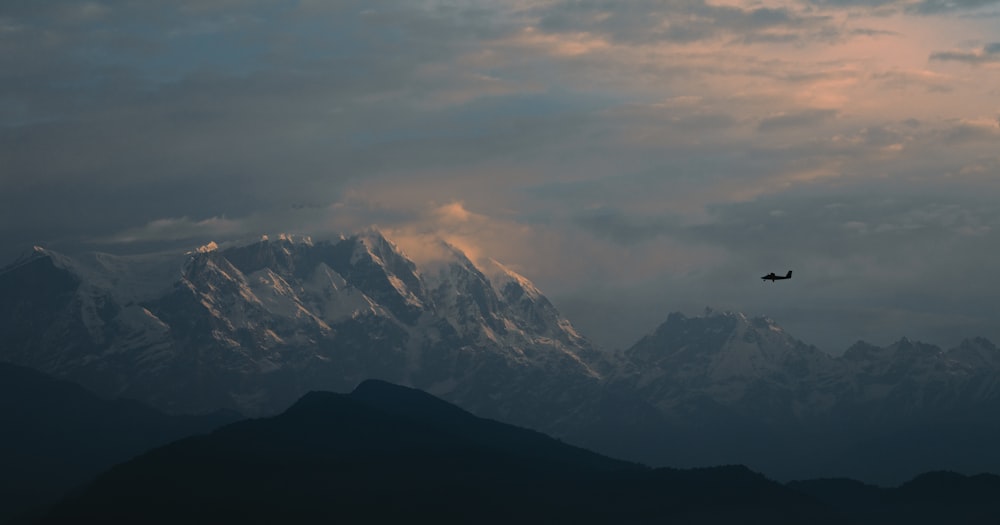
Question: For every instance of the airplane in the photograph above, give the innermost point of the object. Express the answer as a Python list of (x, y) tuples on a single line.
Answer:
[(771, 277)]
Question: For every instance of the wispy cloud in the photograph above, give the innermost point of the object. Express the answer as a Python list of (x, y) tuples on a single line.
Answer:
[(797, 119), (182, 228), (988, 54)]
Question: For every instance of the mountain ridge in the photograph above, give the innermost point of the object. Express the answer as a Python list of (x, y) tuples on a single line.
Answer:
[(334, 457), (388, 452), (255, 325), (57, 435), (258, 324)]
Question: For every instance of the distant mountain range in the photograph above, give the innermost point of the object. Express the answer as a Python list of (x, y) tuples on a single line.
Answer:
[(253, 327), (724, 388)]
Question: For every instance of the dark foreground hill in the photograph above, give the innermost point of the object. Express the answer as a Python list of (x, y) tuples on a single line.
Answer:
[(930, 498), (55, 435), (387, 454)]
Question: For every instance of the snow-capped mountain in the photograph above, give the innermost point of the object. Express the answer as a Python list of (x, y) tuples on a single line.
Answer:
[(255, 326), (727, 359), (754, 366), (723, 387)]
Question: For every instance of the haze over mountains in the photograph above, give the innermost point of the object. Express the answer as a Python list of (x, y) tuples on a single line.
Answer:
[(253, 327)]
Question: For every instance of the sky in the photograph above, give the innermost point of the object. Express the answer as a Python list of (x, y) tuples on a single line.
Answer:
[(631, 158)]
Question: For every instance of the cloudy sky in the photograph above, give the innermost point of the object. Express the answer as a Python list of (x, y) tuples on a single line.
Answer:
[(631, 157)]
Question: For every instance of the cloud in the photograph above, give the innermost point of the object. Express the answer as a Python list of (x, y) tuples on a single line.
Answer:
[(622, 228), (633, 152), (988, 54), (183, 228), (971, 131), (926, 80), (648, 22), (932, 7), (797, 119), (920, 7)]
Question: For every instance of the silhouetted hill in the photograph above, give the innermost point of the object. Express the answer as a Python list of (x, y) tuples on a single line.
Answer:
[(391, 454), (418, 406), (57, 435), (932, 497)]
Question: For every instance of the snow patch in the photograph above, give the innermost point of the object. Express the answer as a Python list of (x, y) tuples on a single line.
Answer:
[(409, 297), (333, 299), (210, 247), (501, 276)]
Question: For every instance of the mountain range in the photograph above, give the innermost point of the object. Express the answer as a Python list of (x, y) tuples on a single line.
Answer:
[(254, 326), (724, 388), (386, 453)]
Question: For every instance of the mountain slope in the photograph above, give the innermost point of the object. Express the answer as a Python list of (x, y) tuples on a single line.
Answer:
[(334, 457), (57, 435), (932, 497)]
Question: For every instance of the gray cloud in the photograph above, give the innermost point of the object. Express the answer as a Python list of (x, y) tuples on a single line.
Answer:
[(651, 21), (922, 7), (796, 119), (988, 54), (623, 229), (931, 7), (130, 113), (909, 80)]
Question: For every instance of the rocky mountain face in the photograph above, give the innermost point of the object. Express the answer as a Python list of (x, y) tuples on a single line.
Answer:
[(255, 326)]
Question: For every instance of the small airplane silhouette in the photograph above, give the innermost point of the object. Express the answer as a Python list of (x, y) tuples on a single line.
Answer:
[(771, 277)]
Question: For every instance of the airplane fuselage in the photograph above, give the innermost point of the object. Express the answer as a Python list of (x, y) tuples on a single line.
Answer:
[(772, 277)]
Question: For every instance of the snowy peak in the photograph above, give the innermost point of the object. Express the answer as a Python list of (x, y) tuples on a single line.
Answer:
[(499, 309), (35, 253), (511, 284), (902, 352), (379, 269), (714, 333), (724, 359), (913, 362), (978, 352), (38, 253), (249, 326), (753, 366), (860, 351), (366, 266), (278, 255)]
